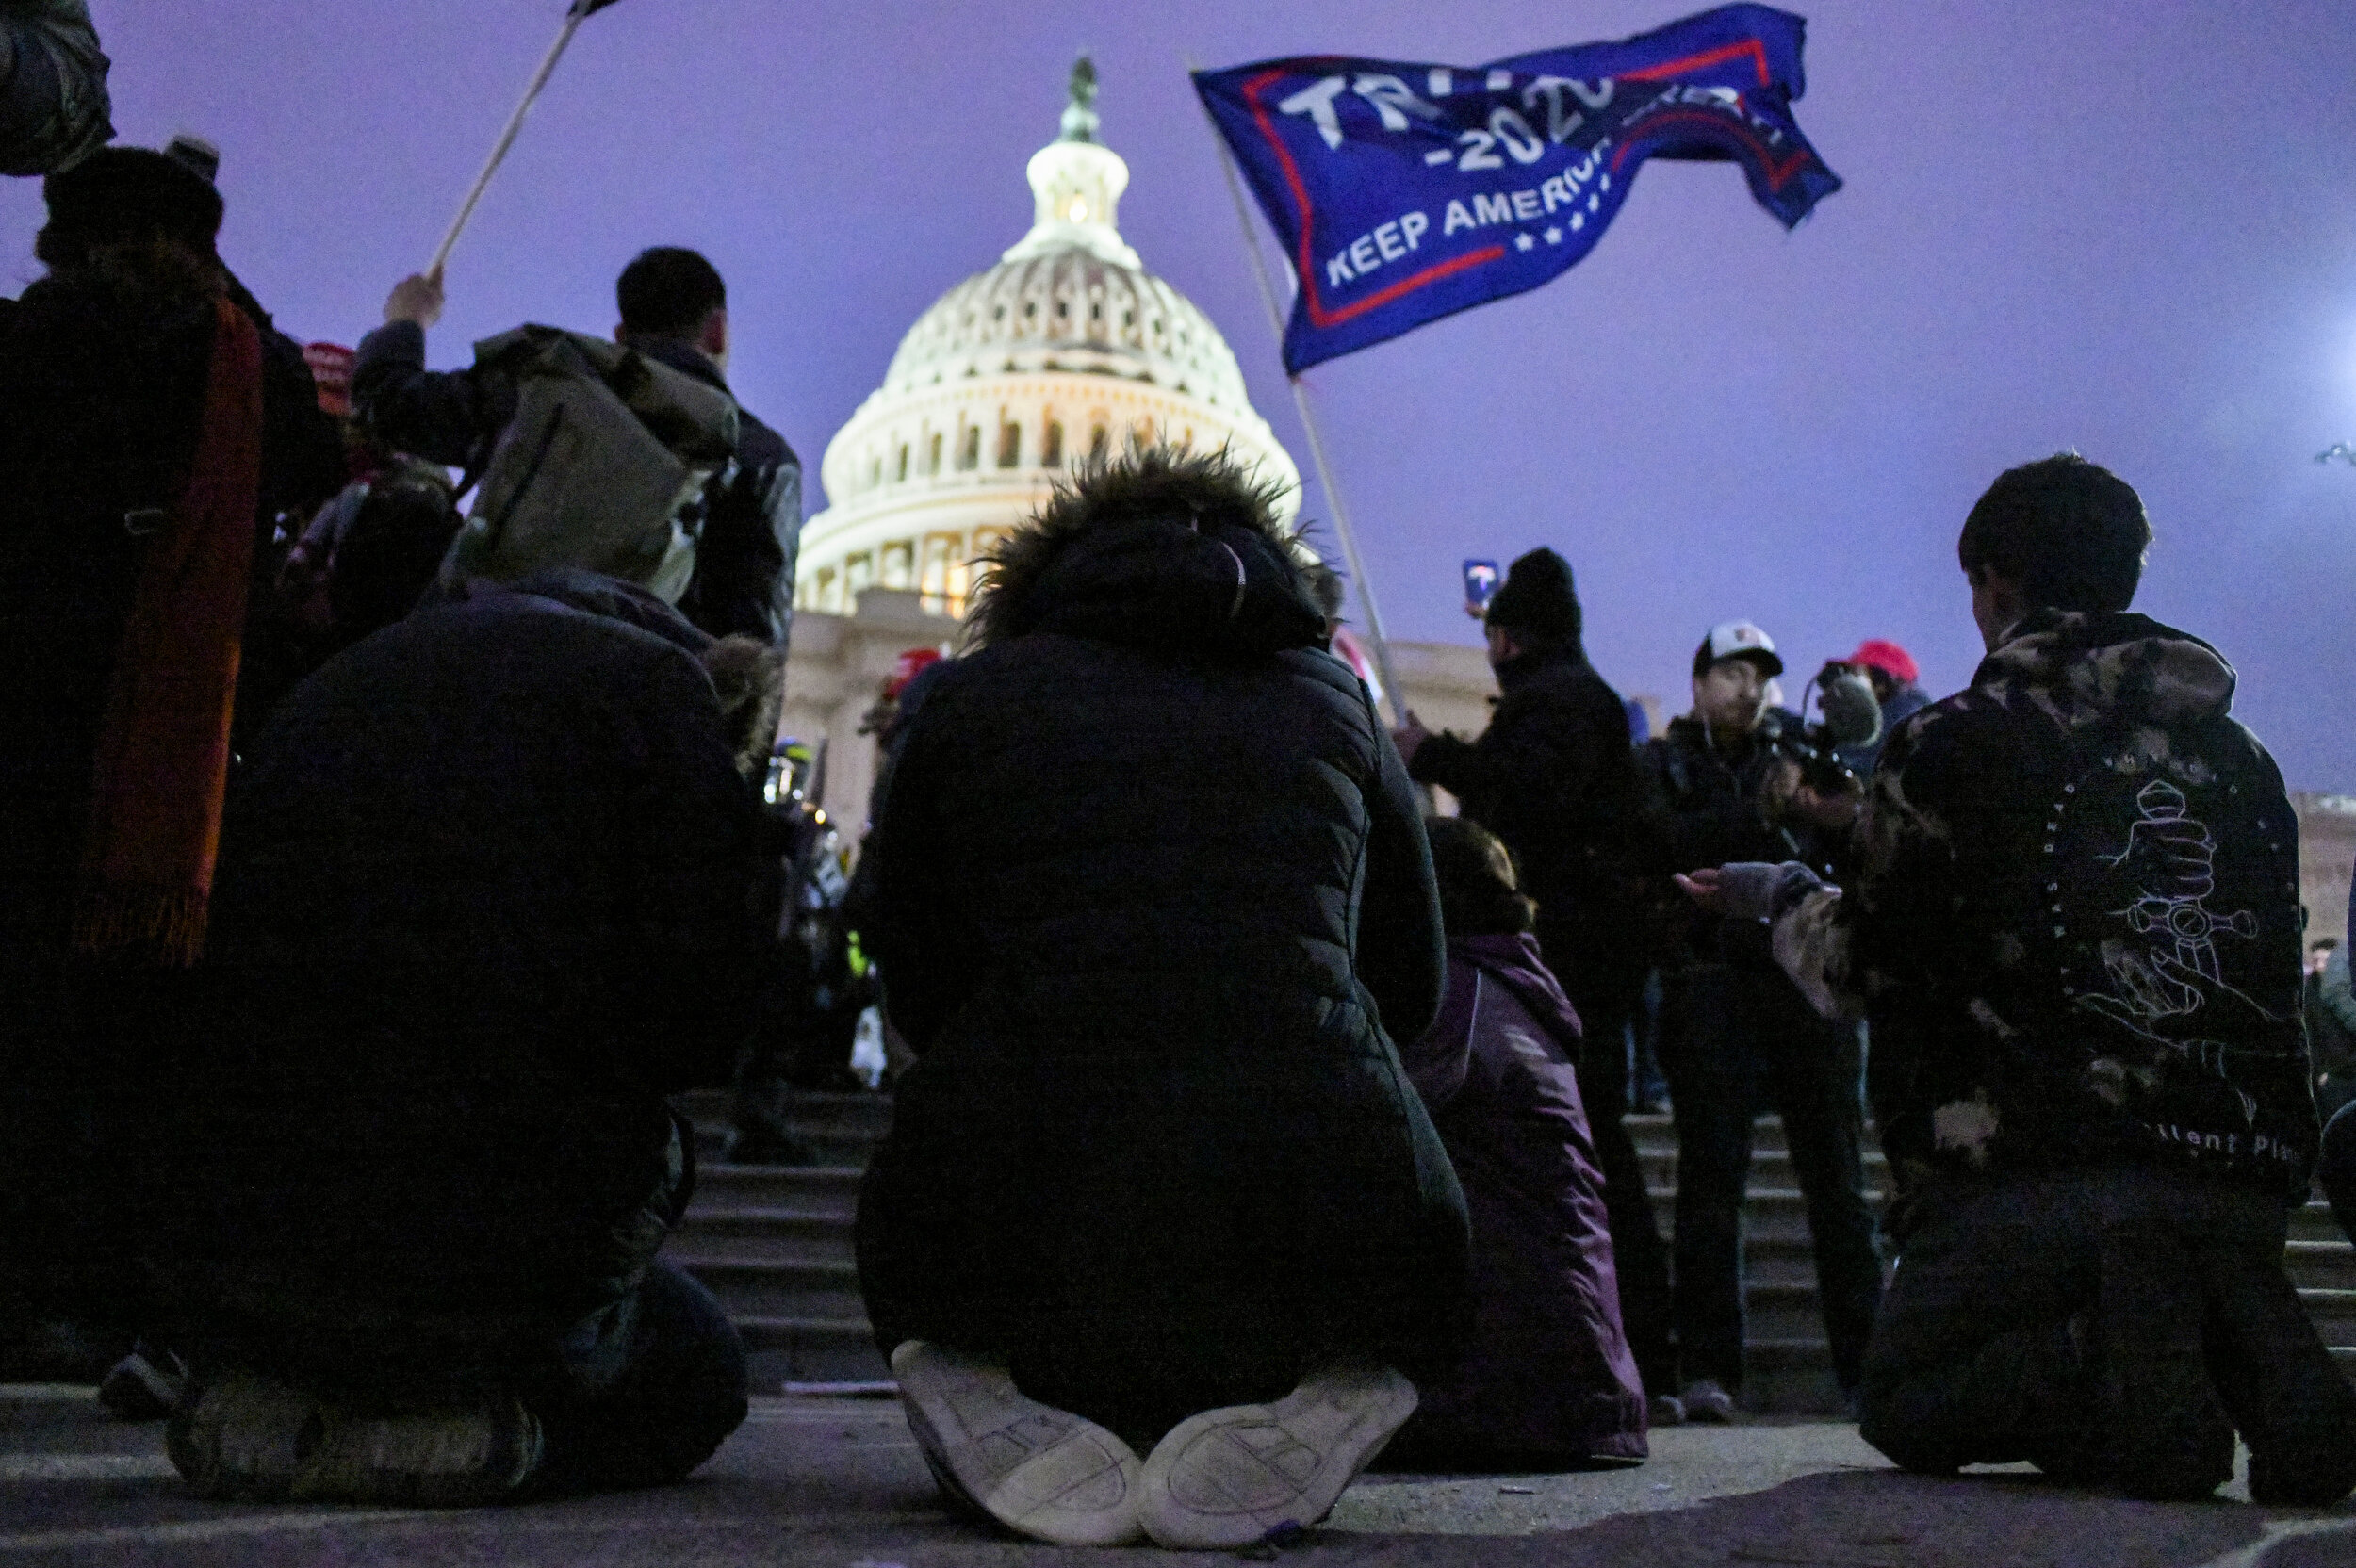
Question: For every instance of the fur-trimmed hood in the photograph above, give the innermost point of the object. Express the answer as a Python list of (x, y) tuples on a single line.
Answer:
[(1163, 549)]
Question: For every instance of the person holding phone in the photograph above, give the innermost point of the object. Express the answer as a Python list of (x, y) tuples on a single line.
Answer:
[(1554, 776)]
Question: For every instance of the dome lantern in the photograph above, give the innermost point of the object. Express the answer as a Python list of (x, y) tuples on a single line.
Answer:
[(1076, 183)]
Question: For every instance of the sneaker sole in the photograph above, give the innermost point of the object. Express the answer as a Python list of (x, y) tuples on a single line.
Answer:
[(1229, 1477), (1043, 1472), (244, 1439), (463, 1459)]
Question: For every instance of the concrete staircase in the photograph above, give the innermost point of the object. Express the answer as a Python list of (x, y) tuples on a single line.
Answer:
[(774, 1242)]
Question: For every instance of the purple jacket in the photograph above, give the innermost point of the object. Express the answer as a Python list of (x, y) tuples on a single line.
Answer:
[(1549, 1377)]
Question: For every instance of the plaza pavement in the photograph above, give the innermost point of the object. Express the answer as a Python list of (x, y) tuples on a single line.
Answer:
[(836, 1483)]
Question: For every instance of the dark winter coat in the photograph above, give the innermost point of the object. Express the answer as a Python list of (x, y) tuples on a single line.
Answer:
[(484, 901), (100, 396), (750, 530), (2076, 927), (1153, 898), (1702, 804), (1548, 1379), (1553, 777)]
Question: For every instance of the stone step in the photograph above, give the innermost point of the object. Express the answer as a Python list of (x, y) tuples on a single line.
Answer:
[(865, 1115), (2322, 1264), (814, 1351), (1769, 1169), (809, 1189), (750, 1288), (824, 1147), (2333, 1314), (764, 1235)]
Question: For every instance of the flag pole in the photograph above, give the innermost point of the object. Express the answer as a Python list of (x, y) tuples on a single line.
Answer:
[(573, 18), (1392, 690)]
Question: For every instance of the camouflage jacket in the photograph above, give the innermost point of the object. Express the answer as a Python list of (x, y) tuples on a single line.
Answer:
[(2076, 924), (53, 86)]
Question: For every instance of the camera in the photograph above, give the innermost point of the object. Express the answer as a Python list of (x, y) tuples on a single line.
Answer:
[(1852, 716)]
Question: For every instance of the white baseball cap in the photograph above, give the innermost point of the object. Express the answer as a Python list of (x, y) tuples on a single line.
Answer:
[(1738, 640)]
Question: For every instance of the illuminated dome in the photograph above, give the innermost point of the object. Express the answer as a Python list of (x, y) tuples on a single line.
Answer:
[(1068, 347)]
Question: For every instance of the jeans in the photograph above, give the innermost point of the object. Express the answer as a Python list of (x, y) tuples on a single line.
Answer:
[(641, 1394), (2104, 1325), (1735, 1039)]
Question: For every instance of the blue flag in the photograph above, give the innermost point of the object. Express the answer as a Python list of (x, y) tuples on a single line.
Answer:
[(1406, 192)]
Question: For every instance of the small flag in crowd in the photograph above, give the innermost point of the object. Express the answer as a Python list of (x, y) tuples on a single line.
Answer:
[(1406, 192), (331, 376)]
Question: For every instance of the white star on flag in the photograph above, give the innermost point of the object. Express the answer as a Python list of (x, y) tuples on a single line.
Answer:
[(1523, 242), (1554, 237)]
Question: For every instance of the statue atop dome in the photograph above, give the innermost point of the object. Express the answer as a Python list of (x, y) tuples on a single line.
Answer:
[(1076, 182), (1079, 116)]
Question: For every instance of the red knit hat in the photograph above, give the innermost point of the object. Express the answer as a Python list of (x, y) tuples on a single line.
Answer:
[(1889, 658)]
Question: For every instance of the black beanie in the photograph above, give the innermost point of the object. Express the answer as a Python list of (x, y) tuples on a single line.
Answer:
[(1537, 603), (120, 193)]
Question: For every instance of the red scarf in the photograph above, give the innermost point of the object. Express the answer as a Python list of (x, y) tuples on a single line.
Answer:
[(162, 766)]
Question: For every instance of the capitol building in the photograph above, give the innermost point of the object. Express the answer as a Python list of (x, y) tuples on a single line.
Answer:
[(1066, 348)]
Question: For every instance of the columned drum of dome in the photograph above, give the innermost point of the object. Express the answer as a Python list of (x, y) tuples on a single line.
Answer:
[(1067, 347)]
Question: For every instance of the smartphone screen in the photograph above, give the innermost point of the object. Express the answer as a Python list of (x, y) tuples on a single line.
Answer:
[(1480, 580)]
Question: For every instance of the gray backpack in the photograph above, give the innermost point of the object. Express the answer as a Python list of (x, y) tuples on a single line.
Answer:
[(600, 468)]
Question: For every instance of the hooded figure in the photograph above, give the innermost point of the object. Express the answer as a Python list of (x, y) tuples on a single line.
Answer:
[(1154, 898), (1548, 1382)]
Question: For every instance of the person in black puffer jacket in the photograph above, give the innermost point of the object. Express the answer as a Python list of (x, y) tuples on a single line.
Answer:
[(1155, 900)]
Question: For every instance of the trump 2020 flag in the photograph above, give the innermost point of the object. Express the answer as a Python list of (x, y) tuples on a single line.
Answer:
[(1406, 192)]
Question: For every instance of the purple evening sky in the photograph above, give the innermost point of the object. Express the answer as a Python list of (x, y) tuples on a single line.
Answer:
[(2126, 228)]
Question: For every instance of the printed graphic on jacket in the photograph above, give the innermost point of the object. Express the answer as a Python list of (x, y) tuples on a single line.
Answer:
[(2076, 927), (2158, 932)]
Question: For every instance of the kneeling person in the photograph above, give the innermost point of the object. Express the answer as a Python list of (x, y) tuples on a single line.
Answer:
[(2076, 936), (1550, 1383), (484, 903), (1153, 894)]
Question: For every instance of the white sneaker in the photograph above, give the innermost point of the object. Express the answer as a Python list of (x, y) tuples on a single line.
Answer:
[(1705, 1401), (1047, 1473), (1666, 1410), (1229, 1477)]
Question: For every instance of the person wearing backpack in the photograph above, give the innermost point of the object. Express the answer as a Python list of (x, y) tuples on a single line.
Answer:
[(2075, 933), (739, 524)]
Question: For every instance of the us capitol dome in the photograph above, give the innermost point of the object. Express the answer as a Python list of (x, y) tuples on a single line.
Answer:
[(1066, 349)]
